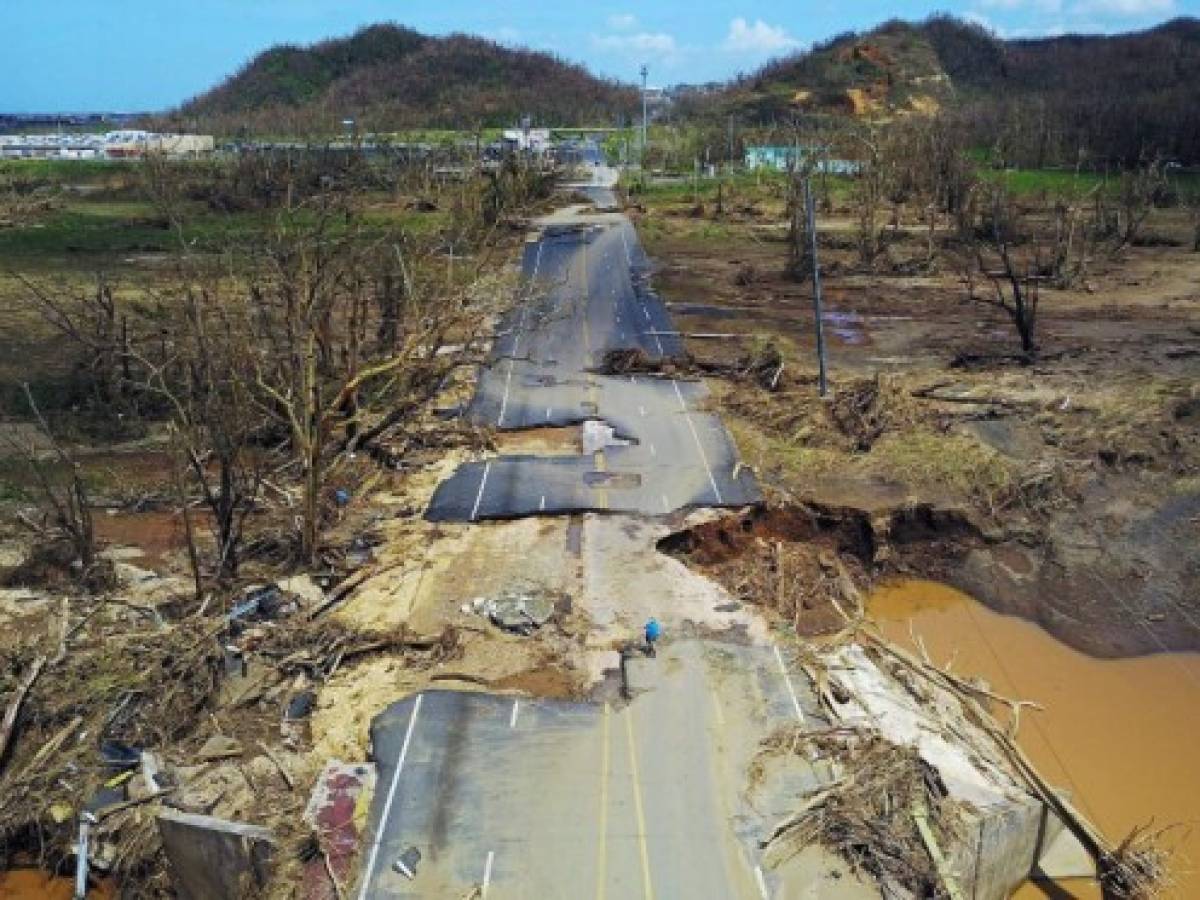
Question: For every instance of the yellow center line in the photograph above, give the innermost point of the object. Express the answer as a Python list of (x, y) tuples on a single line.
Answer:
[(639, 813), (720, 713), (593, 399), (602, 844)]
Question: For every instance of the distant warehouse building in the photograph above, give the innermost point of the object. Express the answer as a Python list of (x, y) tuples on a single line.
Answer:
[(136, 144), (182, 144), (786, 158)]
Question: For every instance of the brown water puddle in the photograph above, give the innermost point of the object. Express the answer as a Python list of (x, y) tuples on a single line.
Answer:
[(34, 884), (1120, 735), (157, 533)]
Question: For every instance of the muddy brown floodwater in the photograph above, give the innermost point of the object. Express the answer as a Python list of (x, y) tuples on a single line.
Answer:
[(1120, 735), (34, 884), (157, 533)]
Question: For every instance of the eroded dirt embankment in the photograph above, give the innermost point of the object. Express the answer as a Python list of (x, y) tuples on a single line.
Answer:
[(1078, 469), (1077, 584)]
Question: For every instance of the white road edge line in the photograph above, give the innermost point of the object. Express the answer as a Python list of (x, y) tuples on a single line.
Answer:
[(657, 341), (387, 806), (512, 720), (542, 503), (787, 679), (699, 446), (479, 497), (537, 263), (762, 883), (487, 873), (504, 402)]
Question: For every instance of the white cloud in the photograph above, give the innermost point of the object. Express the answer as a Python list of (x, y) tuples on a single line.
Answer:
[(640, 42), (758, 37), (1057, 8), (622, 21), (1125, 7), (1046, 6)]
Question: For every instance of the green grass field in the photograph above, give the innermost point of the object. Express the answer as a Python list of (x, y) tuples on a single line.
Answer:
[(1071, 183)]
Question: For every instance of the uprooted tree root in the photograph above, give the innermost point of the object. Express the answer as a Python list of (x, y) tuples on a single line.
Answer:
[(762, 364), (868, 815), (1138, 868)]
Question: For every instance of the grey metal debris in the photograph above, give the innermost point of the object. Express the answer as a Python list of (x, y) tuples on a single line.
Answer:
[(515, 610), (406, 865)]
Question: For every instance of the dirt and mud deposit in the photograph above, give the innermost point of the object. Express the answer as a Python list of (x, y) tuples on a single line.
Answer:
[(158, 534), (1118, 735), (1076, 471)]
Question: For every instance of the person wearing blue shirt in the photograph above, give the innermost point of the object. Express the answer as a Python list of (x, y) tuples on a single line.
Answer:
[(653, 633)]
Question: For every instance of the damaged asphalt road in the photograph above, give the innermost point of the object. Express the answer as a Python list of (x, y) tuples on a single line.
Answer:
[(588, 295), (558, 800), (493, 796)]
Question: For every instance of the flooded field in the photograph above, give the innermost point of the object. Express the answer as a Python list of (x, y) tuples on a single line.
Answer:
[(1119, 735)]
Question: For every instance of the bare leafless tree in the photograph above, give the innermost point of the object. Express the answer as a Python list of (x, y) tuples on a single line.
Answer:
[(870, 186), (64, 499), (1015, 283), (96, 325), (207, 381), (1139, 190), (1192, 203)]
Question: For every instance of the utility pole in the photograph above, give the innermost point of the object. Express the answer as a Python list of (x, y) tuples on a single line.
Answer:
[(645, 116), (812, 233)]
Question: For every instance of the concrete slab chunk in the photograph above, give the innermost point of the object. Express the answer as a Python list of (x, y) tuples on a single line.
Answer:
[(214, 859)]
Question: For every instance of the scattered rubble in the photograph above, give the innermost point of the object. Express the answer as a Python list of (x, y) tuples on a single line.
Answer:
[(519, 611), (215, 858)]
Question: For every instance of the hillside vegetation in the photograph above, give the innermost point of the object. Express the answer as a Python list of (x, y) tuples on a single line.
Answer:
[(387, 77), (1110, 99)]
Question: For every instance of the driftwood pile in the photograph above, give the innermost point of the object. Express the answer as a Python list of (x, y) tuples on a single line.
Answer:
[(869, 814), (95, 703), (887, 812)]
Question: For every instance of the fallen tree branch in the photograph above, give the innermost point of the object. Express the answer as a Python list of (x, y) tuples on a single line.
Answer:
[(283, 773), (107, 811), (50, 747), (9, 722)]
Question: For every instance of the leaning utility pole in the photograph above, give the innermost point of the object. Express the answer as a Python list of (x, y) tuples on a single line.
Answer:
[(645, 117), (816, 273)]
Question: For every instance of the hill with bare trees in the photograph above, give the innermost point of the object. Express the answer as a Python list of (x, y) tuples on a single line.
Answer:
[(1108, 99), (388, 77)]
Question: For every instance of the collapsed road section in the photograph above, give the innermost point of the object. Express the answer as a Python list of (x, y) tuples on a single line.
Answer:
[(725, 772), (588, 297), (552, 799), (722, 761)]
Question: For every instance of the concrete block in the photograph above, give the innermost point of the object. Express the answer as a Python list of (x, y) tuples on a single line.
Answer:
[(214, 859)]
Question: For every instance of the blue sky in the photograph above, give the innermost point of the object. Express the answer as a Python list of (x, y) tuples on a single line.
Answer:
[(62, 55)]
